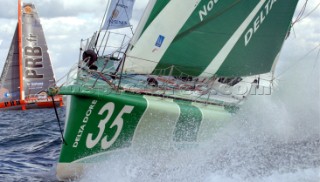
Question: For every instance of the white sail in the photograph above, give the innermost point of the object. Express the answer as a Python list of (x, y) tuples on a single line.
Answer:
[(143, 21), (119, 14)]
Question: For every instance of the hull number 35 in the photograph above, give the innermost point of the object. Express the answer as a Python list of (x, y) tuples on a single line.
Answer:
[(107, 141)]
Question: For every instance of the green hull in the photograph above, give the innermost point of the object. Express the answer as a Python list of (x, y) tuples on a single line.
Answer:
[(100, 124), (227, 45)]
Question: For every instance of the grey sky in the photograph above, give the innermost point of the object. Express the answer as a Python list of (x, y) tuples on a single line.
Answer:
[(66, 22)]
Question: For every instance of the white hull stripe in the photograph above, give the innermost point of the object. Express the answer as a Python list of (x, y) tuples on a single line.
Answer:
[(157, 123), (225, 51)]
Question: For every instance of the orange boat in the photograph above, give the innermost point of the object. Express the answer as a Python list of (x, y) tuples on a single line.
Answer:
[(27, 72)]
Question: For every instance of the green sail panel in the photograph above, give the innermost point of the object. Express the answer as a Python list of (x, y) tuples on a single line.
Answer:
[(224, 38), (261, 42), (254, 45)]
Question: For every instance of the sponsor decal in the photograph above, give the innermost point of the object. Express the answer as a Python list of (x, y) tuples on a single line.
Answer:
[(107, 141), (4, 93), (35, 85), (84, 123), (258, 21), (160, 41), (206, 9), (115, 14), (12, 103), (27, 9), (7, 95), (33, 58)]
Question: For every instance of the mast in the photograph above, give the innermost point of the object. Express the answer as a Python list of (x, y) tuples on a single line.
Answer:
[(20, 53)]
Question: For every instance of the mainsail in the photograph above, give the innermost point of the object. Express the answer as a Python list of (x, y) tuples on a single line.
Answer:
[(199, 42), (27, 72), (37, 68)]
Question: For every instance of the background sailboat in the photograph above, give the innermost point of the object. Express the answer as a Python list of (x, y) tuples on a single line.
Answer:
[(27, 72)]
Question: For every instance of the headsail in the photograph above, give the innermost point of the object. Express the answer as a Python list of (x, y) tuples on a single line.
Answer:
[(9, 86), (197, 42), (119, 14), (37, 68)]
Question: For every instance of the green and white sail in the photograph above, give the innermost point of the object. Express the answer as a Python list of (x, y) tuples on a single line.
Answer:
[(209, 37)]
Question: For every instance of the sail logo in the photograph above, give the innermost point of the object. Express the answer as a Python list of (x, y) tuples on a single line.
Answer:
[(27, 9), (159, 41), (33, 58), (115, 14), (258, 21), (207, 8)]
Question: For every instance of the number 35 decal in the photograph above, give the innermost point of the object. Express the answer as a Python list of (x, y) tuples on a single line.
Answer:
[(106, 142)]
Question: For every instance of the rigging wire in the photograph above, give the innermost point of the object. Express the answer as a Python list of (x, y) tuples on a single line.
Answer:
[(299, 17), (316, 60), (125, 10), (103, 19), (58, 120), (299, 60), (311, 11)]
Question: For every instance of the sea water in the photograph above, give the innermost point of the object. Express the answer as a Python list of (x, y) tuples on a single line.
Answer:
[(272, 138), (29, 144)]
